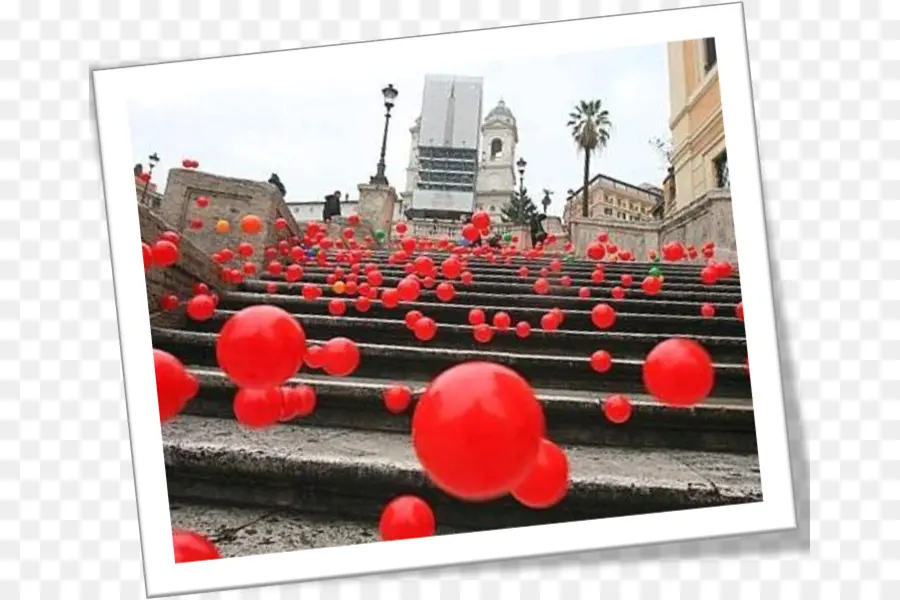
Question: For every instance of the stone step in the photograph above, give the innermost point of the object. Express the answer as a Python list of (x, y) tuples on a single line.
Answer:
[(364, 328), (518, 308), (425, 361), (350, 474), (686, 292), (315, 273), (633, 302), (725, 424)]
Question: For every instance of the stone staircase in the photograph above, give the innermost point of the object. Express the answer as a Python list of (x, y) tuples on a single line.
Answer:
[(323, 480)]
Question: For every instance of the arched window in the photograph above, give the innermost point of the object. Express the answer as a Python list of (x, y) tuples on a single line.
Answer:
[(496, 148)]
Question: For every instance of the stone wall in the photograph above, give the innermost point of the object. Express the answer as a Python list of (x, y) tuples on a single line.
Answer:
[(230, 199), (193, 266), (708, 219)]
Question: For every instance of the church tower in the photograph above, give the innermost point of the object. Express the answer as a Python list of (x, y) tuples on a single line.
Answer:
[(497, 173)]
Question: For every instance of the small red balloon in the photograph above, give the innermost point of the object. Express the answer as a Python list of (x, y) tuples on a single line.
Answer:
[(201, 307), (541, 286), (651, 285), (548, 480), (617, 408), (406, 517), (397, 398), (483, 333), (476, 317), (603, 316), (258, 408), (523, 329), (445, 291), (618, 293), (340, 356), (601, 361), (165, 253), (502, 321), (425, 329), (708, 311), (337, 307), (739, 311)]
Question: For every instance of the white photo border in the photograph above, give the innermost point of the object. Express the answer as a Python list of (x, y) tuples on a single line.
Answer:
[(115, 87)]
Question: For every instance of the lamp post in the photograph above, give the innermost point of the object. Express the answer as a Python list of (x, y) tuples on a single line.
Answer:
[(153, 159), (521, 164), (390, 94)]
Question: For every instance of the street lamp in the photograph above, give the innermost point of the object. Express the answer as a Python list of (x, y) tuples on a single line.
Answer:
[(521, 164), (153, 159), (390, 94)]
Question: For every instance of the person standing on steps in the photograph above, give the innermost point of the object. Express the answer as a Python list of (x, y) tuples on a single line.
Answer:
[(538, 235), (332, 206)]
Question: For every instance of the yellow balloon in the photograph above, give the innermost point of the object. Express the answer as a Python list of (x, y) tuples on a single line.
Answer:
[(339, 287), (223, 227)]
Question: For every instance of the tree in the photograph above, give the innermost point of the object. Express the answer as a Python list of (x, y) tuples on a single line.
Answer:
[(590, 127), (519, 209), (664, 148)]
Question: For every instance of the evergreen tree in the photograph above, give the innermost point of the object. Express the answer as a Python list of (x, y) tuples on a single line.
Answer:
[(519, 209)]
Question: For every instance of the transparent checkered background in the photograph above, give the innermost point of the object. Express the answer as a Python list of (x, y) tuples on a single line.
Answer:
[(826, 79)]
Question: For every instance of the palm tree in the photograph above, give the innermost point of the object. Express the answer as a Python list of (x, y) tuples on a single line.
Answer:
[(590, 127)]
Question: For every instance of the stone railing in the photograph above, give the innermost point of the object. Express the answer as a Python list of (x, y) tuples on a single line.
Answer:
[(193, 266), (708, 219)]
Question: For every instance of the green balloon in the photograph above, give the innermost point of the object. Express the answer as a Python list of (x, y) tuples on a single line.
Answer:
[(655, 272), (379, 235), (507, 237)]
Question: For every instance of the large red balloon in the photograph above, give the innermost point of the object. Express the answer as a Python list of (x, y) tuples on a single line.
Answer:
[(547, 481), (174, 385), (192, 547), (261, 346), (406, 517), (679, 372), (477, 430)]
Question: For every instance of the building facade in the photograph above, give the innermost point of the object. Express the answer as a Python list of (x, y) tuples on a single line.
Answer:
[(610, 198), (485, 173), (699, 158)]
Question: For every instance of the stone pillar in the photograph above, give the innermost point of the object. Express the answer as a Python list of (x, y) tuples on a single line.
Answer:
[(376, 206)]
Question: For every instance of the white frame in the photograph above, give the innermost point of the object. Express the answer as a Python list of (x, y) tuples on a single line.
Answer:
[(113, 88)]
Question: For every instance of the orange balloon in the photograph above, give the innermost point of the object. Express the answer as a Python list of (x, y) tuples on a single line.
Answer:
[(251, 224), (223, 227)]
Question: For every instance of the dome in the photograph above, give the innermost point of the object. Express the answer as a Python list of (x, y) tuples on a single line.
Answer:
[(501, 112)]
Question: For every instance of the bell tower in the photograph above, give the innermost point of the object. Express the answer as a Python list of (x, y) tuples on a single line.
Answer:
[(497, 174)]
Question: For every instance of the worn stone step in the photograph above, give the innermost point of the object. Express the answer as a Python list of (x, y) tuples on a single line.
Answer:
[(724, 424), (457, 312), (364, 328), (425, 361), (519, 287), (349, 474)]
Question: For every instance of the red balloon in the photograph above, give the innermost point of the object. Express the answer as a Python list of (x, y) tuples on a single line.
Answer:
[(174, 385), (397, 398), (476, 317), (280, 224), (192, 547), (541, 286), (401, 228), (408, 245), (340, 356), (363, 304), (584, 292), (617, 408), (547, 481), (261, 346), (148, 256), (565, 280), (502, 321), (337, 307), (739, 310), (709, 276), (201, 307), (483, 333), (374, 277), (171, 236), (297, 402), (598, 276), (165, 253), (424, 266), (411, 318), (470, 232), (451, 268), (708, 311), (314, 357), (390, 298), (523, 272), (293, 273), (651, 285), (481, 219), (404, 518), (472, 411), (627, 280), (550, 322), (466, 277), (169, 302), (311, 291), (445, 291), (258, 408), (596, 251), (523, 329), (618, 293), (603, 316), (679, 372), (425, 329), (601, 361), (202, 201)]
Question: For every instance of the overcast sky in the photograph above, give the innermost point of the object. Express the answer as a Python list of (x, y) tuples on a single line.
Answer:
[(319, 138)]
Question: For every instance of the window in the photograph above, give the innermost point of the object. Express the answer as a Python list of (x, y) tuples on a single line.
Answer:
[(709, 52), (607, 211), (720, 165), (496, 149)]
